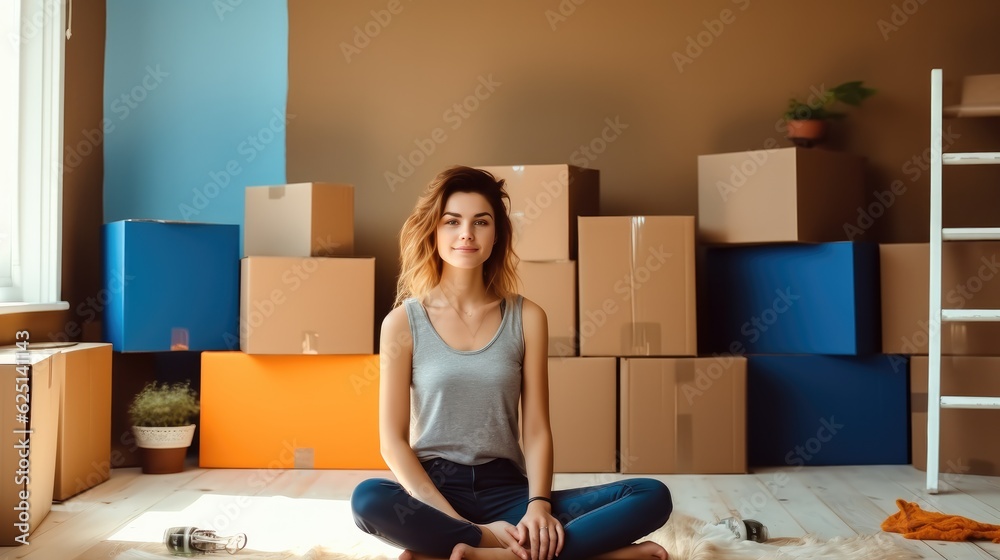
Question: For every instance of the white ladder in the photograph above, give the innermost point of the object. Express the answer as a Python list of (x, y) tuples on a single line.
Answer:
[(938, 234)]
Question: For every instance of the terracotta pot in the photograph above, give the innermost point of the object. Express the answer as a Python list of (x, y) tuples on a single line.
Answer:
[(806, 133), (163, 461), (163, 450)]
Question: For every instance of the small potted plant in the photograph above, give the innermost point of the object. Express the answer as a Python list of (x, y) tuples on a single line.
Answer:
[(806, 122), (163, 416)]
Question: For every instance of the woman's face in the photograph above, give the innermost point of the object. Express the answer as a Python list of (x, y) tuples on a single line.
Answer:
[(466, 231)]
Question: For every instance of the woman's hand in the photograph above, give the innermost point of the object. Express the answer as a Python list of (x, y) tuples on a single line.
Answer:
[(543, 532), (506, 535)]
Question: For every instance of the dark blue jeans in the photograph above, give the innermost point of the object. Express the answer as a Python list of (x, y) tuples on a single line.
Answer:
[(596, 519)]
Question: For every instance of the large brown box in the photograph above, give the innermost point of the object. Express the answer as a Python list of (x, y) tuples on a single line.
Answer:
[(776, 195), (299, 220), (637, 286), (970, 279), (967, 444), (83, 454), (552, 285), (26, 482), (683, 415), (307, 305), (583, 412), (545, 201)]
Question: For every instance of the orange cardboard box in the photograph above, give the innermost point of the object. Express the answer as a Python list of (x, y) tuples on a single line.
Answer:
[(966, 444), (545, 201), (583, 411), (296, 305), (970, 279), (83, 454), (30, 381), (552, 285), (287, 412), (779, 194), (299, 220), (637, 286), (683, 415)]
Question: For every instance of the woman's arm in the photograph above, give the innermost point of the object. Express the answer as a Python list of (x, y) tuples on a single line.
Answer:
[(396, 358), (536, 433), (538, 525)]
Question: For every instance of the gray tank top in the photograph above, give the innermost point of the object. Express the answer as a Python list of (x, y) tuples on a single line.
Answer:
[(464, 404)]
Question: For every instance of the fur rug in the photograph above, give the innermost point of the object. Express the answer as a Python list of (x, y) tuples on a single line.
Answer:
[(684, 537)]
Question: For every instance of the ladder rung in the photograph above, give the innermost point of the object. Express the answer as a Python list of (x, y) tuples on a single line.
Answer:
[(970, 158), (970, 234), (970, 402), (970, 315)]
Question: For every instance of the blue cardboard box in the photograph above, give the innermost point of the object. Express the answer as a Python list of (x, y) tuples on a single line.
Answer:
[(828, 410), (170, 285), (819, 298)]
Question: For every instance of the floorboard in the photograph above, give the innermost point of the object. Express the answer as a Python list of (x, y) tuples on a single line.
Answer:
[(827, 502)]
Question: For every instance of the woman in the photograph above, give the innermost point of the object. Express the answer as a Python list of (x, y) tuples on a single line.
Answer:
[(459, 352)]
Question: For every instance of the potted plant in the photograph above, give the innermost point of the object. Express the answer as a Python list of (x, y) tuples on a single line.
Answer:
[(806, 122), (163, 423)]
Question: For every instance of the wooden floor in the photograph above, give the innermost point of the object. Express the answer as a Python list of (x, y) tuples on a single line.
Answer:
[(825, 501)]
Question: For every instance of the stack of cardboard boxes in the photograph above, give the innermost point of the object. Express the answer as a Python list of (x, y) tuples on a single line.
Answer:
[(622, 338), (779, 285), (302, 391), (55, 437)]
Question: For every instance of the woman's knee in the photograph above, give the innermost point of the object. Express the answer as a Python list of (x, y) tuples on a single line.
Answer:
[(657, 494), (371, 497)]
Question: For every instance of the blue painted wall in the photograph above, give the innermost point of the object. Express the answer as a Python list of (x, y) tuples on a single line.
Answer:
[(194, 106)]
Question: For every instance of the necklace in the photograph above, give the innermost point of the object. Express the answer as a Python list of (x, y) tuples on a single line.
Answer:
[(467, 314)]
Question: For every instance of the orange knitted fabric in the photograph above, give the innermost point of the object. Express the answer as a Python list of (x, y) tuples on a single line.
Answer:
[(915, 523)]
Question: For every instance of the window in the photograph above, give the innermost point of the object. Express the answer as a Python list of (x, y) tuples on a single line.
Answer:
[(31, 90)]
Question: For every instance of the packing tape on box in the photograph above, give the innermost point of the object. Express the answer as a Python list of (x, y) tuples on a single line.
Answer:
[(276, 192), (918, 402), (641, 338), (684, 424), (310, 342), (305, 457)]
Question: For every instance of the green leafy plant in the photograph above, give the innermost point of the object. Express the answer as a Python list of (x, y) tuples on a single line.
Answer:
[(165, 405), (848, 93)]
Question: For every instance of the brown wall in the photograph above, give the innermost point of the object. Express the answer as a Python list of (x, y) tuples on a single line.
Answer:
[(616, 60), (83, 185)]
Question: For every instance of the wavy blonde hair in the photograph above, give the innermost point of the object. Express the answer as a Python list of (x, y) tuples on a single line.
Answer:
[(420, 263)]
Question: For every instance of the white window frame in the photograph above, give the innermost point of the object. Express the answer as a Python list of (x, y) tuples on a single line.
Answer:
[(38, 40)]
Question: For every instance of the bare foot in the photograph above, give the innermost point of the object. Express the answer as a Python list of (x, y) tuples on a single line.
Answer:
[(464, 551), (645, 550)]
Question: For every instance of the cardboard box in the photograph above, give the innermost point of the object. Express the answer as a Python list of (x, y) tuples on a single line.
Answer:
[(979, 96), (545, 201), (30, 381), (583, 412), (970, 279), (83, 454), (683, 415), (637, 286), (781, 194), (295, 305), (827, 410), (966, 438), (170, 285), (299, 220), (279, 412), (790, 299), (552, 285)]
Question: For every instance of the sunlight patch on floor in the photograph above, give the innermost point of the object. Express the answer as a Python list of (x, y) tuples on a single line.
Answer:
[(271, 524)]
